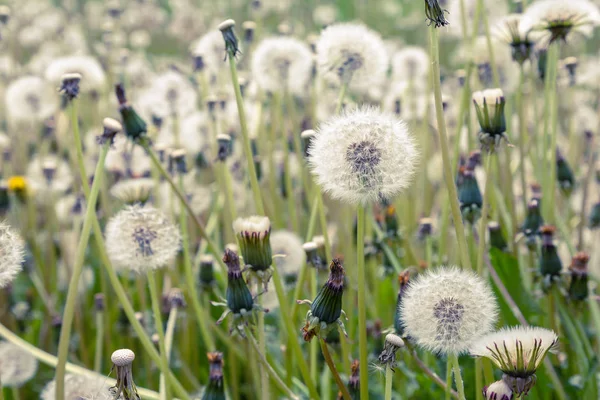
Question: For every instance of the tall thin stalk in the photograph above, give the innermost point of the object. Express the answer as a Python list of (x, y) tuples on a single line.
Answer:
[(457, 376), (389, 375), (362, 310), (334, 372), (484, 211)]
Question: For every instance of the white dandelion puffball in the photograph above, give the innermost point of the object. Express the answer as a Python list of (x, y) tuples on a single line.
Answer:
[(17, 366), (445, 309), (282, 64), (49, 174), (288, 253), (352, 53), (363, 156), (518, 350), (12, 254), (410, 63), (141, 239), (79, 387), (93, 76), (560, 18), (30, 98)]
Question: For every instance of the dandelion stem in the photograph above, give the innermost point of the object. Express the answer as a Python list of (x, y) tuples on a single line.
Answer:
[(334, 372), (448, 387), (522, 104), (586, 189), (341, 96), (268, 367), (99, 340), (450, 185), (457, 376), (159, 329), (262, 349), (69, 312), (484, 211), (52, 361), (362, 311), (258, 203), (168, 343), (550, 130), (389, 376)]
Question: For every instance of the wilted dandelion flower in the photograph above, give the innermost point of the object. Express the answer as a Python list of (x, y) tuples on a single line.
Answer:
[(282, 64), (518, 352), (122, 360), (363, 156), (288, 254), (444, 310), (11, 254), (410, 63), (17, 366), (559, 18), (350, 53), (93, 76), (141, 239), (79, 387), (30, 98)]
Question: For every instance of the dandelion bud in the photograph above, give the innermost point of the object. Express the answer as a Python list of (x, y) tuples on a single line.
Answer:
[(224, 147), (392, 343), (326, 309), (489, 106), (99, 302), (469, 196), (231, 41), (533, 222), (134, 125), (354, 380), (435, 14), (312, 254), (111, 128), (199, 63), (594, 219), (549, 265), (249, 27), (517, 352), (215, 389), (49, 170), (207, 275), (391, 220), (578, 287), (238, 295), (498, 390), (70, 85), (496, 236), (425, 228), (122, 360), (254, 239), (564, 174)]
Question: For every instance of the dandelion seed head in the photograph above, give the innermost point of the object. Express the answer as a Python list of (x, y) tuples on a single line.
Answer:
[(135, 190), (444, 310), (363, 156), (42, 182), (352, 53), (79, 387), (17, 366), (141, 239), (11, 254), (30, 98), (93, 76), (289, 245), (411, 63)]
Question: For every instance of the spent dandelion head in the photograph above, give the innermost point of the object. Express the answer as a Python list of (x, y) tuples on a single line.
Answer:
[(69, 86), (122, 360), (141, 239), (445, 309), (435, 13), (363, 156), (517, 352), (351, 54), (393, 342), (215, 390)]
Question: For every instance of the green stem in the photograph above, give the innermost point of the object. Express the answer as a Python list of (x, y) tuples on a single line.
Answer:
[(99, 340), (159, 328), (268, 367), (550, 130), (448, 387), (484, 212), (522, 104), (362, 311), (65, 332), (341, 96), (457, 376), (448, 177), (170, 331), (262, 349), (389, 375), (258, 203), (334, 372)]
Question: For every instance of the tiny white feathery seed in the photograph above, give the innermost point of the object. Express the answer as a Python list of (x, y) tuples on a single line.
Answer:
[(122, 357)]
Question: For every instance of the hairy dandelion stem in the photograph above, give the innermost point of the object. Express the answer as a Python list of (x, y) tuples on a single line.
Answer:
[(362, 311), (457, 376), (389, 376), (484, 211), (334, 372)]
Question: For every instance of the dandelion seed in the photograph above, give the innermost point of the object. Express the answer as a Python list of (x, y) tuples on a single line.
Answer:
[(444, 310)]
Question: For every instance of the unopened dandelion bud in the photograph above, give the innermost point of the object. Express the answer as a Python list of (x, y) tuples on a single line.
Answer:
[(393, 342), (517, 352), (496, 236), (469, 196), (254, 239), (99, 302), (489, 106), (564, 174), (550, 264), (435, 14), (134, 125), (70, 85), (473, 160), (215, 390), (238, 295), (199, 63), (578, 287), (125, 386), (231, 41), (498, 390), (312, 255), (425, 228), (354, 380), (249, 27), (224, 147), (594, 219), (176, 298), (206, 275)]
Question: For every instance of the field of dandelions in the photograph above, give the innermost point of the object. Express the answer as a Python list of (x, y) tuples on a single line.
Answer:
[(299, 199)]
